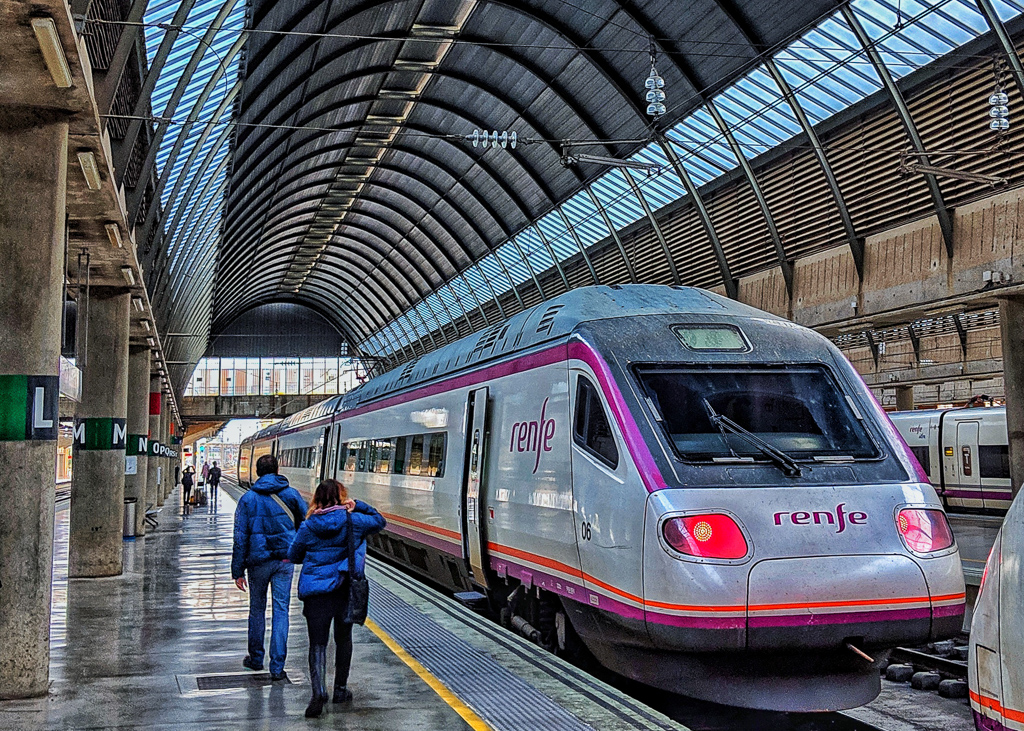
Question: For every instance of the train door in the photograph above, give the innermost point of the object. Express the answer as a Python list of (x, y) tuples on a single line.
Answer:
[(473, 539), (969, 474), (325, 453)]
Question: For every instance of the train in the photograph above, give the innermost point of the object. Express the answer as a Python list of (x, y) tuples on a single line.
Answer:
[(995, 673), (703, 497), (965, 453)]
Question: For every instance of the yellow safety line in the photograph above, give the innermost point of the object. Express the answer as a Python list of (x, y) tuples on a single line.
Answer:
[(474, 721)]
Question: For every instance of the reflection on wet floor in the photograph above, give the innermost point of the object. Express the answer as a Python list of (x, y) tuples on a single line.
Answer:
[(124, 648)]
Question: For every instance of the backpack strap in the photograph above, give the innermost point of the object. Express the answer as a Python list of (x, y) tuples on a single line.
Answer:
[(285, 508)]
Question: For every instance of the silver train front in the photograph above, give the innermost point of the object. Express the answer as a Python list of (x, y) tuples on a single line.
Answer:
[(550, 468)]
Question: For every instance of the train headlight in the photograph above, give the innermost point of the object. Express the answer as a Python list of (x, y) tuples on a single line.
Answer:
[(711, 535), (924, 531)]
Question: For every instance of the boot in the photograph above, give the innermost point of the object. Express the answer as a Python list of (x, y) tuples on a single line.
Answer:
[(317, 672), (341, 694)]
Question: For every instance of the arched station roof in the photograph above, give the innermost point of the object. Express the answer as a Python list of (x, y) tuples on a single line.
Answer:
[(315, 152), (377, 215)]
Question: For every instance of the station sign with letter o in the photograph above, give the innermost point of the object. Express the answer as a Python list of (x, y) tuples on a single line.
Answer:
[(29, 408)]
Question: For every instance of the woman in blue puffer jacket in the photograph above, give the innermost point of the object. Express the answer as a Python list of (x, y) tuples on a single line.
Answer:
[(321, 546)]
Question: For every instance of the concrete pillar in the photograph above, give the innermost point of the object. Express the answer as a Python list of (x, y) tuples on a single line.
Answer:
[(138, 433), (1011, 315), (33, 184), (154, 494), (97, 483), (904, 398)]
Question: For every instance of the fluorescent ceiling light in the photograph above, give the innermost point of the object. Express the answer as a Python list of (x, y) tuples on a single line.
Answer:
[(145, 324), (129, 275), (53, 52), (114, 234), (139, 304), (151, 342), (90, 169)]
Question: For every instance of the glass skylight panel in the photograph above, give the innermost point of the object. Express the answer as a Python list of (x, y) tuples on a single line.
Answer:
[(1008, 9), (699, 135), (558, 237), (514, 265), (585, 219), (534, 250), (618, 200), (660, 188), (495, 273), (474, 277)]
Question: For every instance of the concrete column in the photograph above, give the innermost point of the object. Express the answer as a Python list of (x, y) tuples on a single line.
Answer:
[(138, 433), (33, 184), (1011, 315), (154, 495), (904, 398), (97, 484)]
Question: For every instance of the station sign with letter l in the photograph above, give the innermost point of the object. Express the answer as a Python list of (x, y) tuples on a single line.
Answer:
[(29, 408)]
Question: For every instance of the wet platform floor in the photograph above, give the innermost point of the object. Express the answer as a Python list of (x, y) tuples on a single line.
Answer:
[(126, 652)]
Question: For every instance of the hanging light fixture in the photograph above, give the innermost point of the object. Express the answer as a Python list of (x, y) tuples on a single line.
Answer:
[(654, 84), (998, 111)]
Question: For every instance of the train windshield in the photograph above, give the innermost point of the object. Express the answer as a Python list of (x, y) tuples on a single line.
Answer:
[(799, 411)]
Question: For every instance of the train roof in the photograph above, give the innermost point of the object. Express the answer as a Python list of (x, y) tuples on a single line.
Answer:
[(549, 321), (936, 412)]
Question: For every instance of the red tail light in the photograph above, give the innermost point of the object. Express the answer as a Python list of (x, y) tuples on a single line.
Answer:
[(924, 531), (707, 536)]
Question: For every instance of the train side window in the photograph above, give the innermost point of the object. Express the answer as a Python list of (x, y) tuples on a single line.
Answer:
[(416, 466), (994, 461), (385, 449), (435, 455), (350, 453), (361, 459), (591, 429), (401, 446), (924, 458)]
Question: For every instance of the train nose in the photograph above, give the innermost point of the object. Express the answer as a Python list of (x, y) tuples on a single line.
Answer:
[(881, 600)]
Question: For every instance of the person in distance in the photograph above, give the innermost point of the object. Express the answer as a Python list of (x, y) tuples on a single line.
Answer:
[(266, 520), (321, 546)]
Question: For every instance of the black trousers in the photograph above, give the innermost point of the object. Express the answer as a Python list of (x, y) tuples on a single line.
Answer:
[(322, 609)]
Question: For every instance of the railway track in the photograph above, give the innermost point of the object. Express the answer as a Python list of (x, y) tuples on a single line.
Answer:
[(927, 661)]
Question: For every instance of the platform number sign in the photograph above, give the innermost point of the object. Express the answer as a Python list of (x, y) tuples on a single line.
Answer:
[(28, 408)]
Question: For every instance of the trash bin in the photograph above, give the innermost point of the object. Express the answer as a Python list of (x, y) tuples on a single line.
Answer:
[(130, 506)]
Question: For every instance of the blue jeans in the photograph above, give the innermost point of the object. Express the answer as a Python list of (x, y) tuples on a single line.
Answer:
[(278, 576)]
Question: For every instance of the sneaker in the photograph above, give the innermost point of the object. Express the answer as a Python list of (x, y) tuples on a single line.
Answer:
[(341, 694), (279, 676), (248, 663)]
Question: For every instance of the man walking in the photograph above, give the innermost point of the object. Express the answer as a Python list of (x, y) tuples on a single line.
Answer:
[(214, 482), (266, 519)]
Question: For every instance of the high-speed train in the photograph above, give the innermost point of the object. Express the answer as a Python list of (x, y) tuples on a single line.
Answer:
[(995, 662), (704, 496), (965, 453)]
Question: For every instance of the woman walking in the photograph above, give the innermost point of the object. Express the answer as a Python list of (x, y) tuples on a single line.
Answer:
[(321, 546)]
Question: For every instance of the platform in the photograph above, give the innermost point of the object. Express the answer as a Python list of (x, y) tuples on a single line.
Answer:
[(975, 535), (133, 652)]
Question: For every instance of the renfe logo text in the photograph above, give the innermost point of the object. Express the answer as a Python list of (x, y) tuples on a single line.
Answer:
[(533, 436), (840, 518)]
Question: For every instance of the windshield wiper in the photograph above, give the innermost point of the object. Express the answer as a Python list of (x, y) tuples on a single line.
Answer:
[(783, 461)]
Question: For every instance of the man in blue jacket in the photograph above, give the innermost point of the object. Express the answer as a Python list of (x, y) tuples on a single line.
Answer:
[(265, 523)]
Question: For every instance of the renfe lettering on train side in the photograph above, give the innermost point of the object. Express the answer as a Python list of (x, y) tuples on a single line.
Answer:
[(840, 519), (533, 436)]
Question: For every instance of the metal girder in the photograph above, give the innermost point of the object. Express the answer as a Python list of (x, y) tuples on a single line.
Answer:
[(551, 252), (106, 87), (614, 233), (903, 112), (731, 288), (755, 186), (855, 243), (654, 224), (1005, 42), (149, 82), (529, 268), (579, 243)]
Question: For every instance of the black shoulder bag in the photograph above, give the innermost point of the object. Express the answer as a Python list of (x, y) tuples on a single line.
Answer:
[(358, 586)]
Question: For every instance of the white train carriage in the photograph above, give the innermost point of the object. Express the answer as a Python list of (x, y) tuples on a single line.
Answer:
[(697, 491), (965, 453), (995, 664)]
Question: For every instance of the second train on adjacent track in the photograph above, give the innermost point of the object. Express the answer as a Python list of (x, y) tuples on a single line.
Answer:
[(704, 496)]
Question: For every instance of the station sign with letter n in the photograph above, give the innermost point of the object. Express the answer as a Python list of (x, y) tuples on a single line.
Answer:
[(29, 408)]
